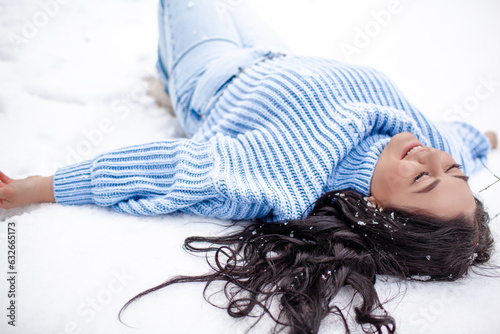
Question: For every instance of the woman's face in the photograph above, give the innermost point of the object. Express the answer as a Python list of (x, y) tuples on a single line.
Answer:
[(420, 179)]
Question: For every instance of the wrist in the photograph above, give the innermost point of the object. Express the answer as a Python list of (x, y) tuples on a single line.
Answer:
[(44, 189)]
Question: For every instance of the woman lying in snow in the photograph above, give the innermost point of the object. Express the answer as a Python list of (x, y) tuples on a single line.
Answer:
[(341, 176)]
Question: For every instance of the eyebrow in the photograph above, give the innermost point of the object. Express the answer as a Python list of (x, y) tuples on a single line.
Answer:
[(429, 187), (436, 182)]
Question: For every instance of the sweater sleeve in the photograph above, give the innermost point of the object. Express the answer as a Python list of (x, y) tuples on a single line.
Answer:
[(466, 144), (355, 171), (160, 177)]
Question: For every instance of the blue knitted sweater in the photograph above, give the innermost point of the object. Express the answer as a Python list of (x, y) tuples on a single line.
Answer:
[(283, 132)]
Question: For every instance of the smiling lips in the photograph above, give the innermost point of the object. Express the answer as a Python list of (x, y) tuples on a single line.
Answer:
[(410, 148)]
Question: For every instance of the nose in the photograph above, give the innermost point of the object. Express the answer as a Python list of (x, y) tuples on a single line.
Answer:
[(431, 158)]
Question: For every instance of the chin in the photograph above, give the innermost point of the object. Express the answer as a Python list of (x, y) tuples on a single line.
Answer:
[(400, 141)]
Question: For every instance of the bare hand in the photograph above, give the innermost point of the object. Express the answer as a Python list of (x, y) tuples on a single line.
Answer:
[(492, 137), (33, 189)]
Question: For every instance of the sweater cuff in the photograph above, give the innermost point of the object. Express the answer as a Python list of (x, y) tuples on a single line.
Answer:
[(72, 184)]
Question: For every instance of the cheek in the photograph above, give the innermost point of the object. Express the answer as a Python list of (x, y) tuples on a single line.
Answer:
[(395, 176), (403, 171)]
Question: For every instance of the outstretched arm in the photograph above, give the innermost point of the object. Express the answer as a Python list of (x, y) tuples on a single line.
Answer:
[(33, 189)]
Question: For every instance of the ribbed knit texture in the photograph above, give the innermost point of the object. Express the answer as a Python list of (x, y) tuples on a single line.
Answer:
[(282, 133)]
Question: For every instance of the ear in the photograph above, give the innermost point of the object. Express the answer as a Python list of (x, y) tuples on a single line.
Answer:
[(374, 201)]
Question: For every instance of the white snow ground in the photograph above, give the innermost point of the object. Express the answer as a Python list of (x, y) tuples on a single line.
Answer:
[(71, 86)]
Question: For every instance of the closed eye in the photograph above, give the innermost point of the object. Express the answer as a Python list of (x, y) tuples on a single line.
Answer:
[(457, 166), (419, 176), (437, 181), (454, 166)]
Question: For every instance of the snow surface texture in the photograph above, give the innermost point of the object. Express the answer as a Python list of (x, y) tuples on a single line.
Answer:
[(72, 85)]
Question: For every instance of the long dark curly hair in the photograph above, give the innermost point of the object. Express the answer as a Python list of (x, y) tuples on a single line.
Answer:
[(344, 241)]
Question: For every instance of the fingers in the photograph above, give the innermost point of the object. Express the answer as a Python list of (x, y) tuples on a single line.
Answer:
[(4, 204), (4, 178), (5, 197), (492, 137)]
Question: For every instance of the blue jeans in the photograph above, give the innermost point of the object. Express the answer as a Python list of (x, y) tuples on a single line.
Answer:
[(202, 46)]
